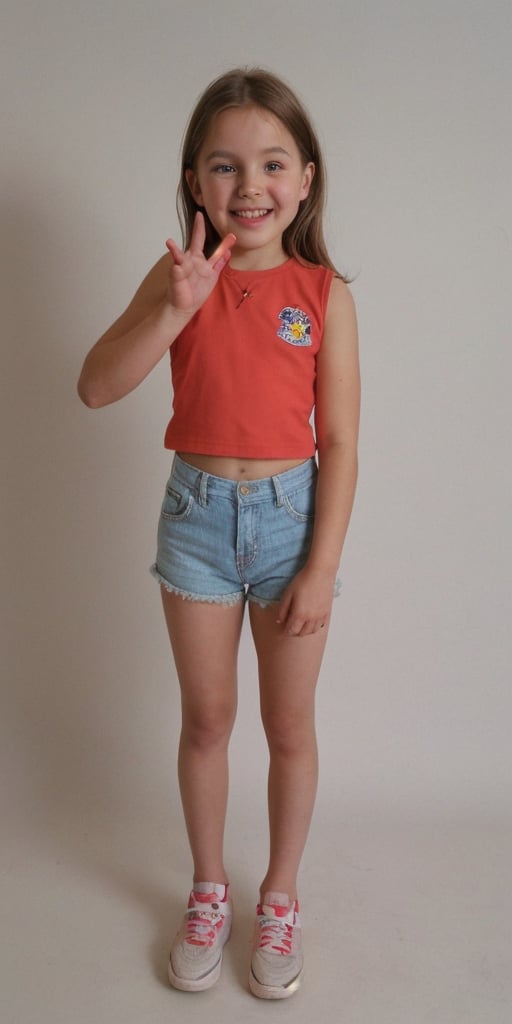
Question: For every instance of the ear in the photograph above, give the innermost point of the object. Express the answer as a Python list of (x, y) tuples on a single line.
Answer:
[(193, 184), (307, 177)]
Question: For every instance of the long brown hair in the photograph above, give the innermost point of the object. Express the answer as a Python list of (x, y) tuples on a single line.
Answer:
[(303, 238)]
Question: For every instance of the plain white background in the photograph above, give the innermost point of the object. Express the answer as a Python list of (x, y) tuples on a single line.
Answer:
[(413, 827)]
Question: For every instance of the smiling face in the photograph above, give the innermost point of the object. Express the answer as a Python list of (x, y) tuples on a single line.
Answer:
[(250, 179)]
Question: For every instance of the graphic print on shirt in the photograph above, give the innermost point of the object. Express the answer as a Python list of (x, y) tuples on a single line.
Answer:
[(295, 326)]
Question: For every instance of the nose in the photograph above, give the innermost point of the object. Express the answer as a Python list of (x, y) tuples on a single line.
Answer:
[(249, 187)]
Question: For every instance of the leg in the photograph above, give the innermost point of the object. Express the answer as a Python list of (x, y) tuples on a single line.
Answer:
[(288, 672), (205, 639)]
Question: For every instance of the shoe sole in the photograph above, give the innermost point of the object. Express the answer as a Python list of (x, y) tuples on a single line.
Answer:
[(272, 992)]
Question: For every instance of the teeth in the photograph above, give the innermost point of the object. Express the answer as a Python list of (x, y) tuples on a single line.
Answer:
[(250, 214)]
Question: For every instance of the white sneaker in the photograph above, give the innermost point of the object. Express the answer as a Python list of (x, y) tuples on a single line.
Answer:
[(196, 955), (277, 960)]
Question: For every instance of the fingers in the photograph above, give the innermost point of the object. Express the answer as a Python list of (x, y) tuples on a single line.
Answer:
[(196, 241), (217, 260), (296, 623), (198, 236), (300, 628), (175, 251), (284, 610), (223, 251)]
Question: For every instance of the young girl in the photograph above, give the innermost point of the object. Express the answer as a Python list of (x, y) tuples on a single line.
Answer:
[(260, 330)]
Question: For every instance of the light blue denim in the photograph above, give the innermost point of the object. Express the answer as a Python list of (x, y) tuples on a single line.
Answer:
[(220, 540)]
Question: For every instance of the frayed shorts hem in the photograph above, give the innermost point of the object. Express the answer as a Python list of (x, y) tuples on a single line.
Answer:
[(226, 599), (223, 599)]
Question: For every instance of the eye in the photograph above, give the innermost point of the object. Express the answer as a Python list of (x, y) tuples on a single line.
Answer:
[(273, 165), (223, 169)]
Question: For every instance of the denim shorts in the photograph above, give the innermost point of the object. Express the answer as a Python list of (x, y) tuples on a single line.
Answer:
[(221, 540)]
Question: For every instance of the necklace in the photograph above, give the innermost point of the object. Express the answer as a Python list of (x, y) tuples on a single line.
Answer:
[(246, 294)]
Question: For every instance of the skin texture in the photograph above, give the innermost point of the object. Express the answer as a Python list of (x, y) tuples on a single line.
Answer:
[(248, 163)]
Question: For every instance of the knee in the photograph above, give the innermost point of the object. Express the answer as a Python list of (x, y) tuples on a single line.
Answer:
[(208, 727), (289, 734)]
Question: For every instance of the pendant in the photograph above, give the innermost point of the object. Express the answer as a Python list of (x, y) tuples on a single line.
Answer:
[(246, 294)]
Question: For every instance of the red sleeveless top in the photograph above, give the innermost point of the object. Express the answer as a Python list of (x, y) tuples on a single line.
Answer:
[(244, 368)]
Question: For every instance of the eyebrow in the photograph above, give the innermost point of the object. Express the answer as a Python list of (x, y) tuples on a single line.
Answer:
[(226, 155)]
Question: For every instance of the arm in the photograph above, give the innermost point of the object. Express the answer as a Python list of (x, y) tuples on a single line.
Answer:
[(308, 599), (167, 299)]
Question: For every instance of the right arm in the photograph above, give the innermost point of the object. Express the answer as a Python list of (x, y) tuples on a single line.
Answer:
[(165, 302)]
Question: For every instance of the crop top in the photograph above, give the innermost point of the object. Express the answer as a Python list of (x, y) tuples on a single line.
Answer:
[(244, 367)]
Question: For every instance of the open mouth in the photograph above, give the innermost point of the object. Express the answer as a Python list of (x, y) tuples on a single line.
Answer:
[(250, 214)]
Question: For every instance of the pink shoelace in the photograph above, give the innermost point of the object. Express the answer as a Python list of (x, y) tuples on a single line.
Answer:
[(203, 925), (276, 935)]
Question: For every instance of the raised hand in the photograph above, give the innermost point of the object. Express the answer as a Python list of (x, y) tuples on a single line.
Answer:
[(192, 277)]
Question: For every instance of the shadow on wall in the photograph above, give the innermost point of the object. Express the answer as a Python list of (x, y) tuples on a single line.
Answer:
[(86, 665)]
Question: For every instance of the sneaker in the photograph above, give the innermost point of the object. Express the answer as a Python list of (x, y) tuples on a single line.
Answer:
[(277, 961), (196, 954)]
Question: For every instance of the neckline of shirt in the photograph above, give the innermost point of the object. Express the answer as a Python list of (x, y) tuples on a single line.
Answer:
[(235, 272)]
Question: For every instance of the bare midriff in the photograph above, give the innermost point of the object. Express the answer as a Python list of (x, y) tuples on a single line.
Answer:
[(239, 469)]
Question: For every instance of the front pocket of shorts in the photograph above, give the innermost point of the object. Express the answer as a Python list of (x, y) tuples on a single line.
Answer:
[(301, 505), (176, 504)]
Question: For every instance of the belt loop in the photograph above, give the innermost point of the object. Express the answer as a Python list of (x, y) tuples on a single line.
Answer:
[(279, 491), (203, 489)]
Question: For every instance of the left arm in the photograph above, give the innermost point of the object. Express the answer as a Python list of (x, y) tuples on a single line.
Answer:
[(307, 602)]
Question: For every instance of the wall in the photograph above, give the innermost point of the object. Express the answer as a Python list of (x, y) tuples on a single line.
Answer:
[(410, 100)]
